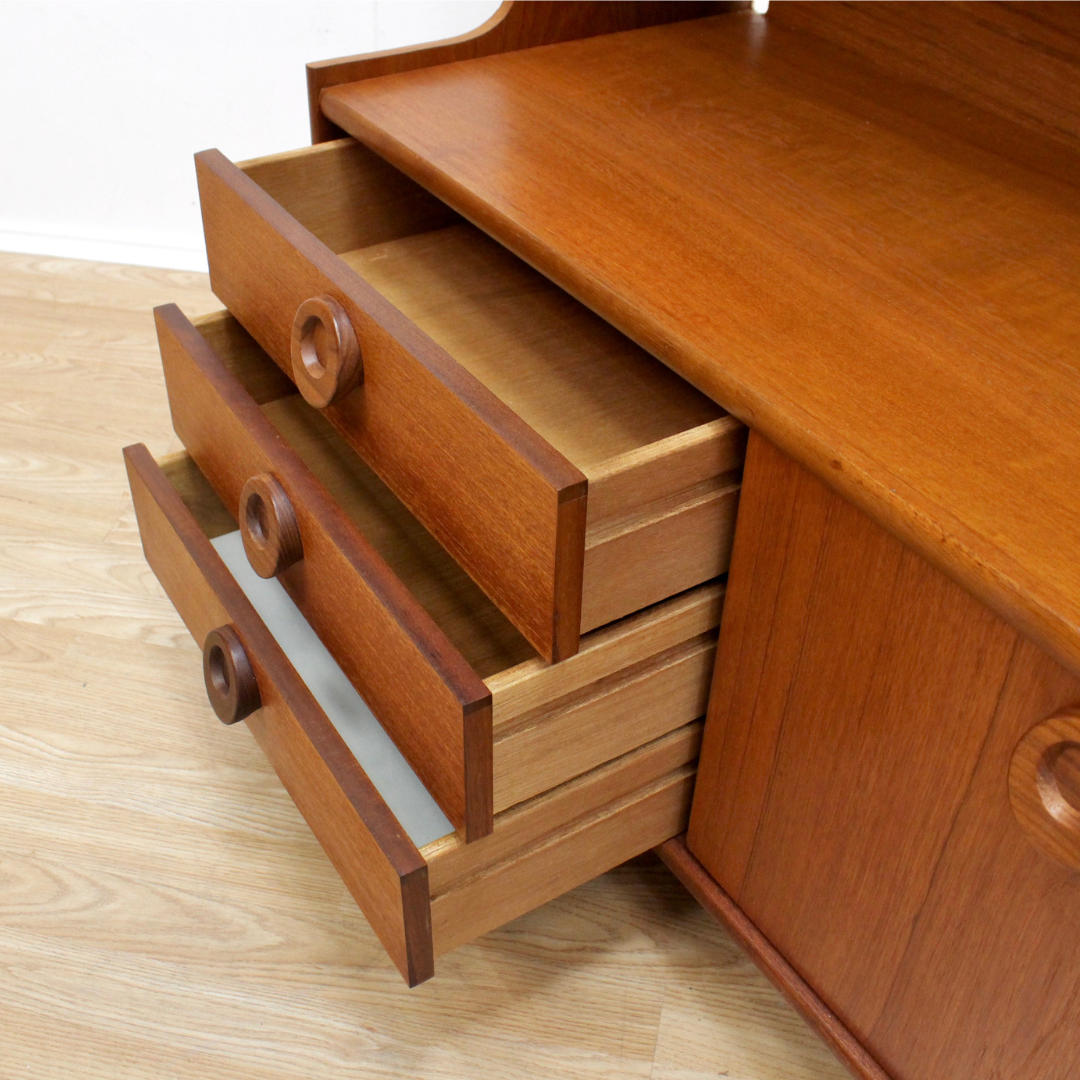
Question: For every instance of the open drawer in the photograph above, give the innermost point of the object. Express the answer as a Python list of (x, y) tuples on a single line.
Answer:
[(423, 890), (484, 722), (573, 476)]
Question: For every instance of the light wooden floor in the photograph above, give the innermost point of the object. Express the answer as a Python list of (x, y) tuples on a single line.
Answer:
[(164, 911)]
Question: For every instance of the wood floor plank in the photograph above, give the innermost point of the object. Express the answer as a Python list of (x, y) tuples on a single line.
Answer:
[(164, 910)]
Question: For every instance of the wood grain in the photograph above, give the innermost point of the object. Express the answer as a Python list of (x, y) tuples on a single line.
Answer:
[(1042, 787), (853, 692), (161, 898), (326, 361), (472, 623), (664, 518), (507, 518), (648, 439), (452, 862), (431, 702), (578, 383), (986, 984), (580, 731), (534, 685), (1012, 65), (346, 196), (843, 251), (198, 496), (853, 796), (562, 861), (268, 526), (369, 849), (553, 721), (425, 692), (513, 26), (669, 546), (621, 809), (627, 483), (678, 858)]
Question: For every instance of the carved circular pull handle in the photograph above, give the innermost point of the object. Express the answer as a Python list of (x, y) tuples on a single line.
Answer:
[(268, 527), (229, 677), (1044, 787), (326, 362)]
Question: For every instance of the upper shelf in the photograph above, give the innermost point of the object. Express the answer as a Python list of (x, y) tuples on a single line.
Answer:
[(859, 258)]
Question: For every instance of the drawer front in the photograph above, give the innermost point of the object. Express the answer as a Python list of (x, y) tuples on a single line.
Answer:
[(508, 507), (382, 868), (421, 903), (433, 705)]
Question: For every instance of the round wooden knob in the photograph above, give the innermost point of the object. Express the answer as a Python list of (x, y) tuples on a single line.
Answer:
[(326, 361), (268, 527), (1044, 787), (230, 680)]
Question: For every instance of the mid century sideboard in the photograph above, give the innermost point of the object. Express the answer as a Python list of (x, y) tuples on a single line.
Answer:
[(854, 231)]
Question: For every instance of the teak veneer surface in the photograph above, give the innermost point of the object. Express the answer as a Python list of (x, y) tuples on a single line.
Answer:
[(352, 599), (659, 459), (513, 26), (874, 267), (542, 849), (515, 519), (475, 626), (853, 791), (638, 677), (376, 859)]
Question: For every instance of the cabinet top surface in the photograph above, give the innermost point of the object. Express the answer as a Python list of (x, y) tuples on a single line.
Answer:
[(879, 273)]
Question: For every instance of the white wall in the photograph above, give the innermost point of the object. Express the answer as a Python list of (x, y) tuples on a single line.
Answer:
[(103, 105)]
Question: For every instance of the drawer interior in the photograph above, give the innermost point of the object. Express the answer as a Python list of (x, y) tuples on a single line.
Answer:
[(587, 389), (631, 681), (636, 430)]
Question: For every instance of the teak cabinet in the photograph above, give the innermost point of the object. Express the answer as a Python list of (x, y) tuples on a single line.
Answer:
[(538, 279)]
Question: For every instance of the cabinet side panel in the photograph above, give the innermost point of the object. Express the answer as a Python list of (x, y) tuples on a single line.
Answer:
[(855, 743), (777, 538)]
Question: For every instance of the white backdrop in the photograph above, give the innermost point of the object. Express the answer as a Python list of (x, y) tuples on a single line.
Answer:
[(102, 105)]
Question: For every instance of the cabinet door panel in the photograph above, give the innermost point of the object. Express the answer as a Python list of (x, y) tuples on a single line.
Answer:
[(854, 689), (988, 987)]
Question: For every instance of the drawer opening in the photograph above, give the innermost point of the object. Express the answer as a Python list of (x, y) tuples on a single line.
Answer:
[(662, 460), (631, 681)]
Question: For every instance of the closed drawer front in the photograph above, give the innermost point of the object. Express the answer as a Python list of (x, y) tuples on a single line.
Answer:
[(422, 896), (573, 476), (483, 721)]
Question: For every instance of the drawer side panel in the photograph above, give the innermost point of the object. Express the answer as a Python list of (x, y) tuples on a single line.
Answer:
[(562, 862)]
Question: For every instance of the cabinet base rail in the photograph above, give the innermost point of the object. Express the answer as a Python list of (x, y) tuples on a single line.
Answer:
[(704, 889)]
